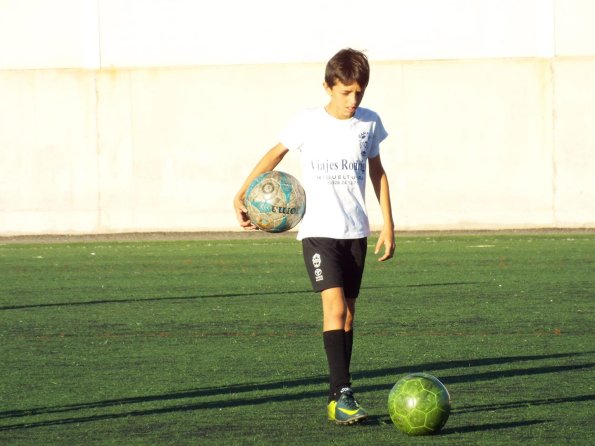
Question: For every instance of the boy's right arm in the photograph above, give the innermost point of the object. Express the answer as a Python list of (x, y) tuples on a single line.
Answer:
[(268, 162)]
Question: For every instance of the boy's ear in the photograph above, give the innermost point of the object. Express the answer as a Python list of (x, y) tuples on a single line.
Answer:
[(326, 87)]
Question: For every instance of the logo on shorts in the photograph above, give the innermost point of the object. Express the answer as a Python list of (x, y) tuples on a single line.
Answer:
[(318, 274), (317, 261)]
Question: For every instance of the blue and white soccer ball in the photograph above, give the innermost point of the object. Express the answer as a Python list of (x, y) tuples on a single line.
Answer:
[(276, 201)]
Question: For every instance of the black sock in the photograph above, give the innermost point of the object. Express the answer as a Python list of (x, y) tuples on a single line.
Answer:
[(348, 347), (334, 345)]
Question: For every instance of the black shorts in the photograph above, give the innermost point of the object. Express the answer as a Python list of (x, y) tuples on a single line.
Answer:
[(333, 263)]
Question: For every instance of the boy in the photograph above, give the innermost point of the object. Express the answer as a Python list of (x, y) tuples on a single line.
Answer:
[(335, 142)]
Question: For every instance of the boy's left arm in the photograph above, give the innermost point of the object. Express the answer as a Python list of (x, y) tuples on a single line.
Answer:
[(380, 183)]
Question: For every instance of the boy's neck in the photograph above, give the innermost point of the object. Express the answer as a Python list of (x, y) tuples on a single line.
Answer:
[(335, 114)]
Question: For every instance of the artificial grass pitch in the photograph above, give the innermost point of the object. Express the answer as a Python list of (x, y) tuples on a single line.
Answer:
[(218, 341)]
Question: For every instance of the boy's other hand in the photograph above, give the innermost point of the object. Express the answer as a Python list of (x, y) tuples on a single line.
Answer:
[(386, 239), (242, 214)]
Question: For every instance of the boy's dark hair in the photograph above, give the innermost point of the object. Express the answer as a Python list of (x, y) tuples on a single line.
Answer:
[(348, 66)]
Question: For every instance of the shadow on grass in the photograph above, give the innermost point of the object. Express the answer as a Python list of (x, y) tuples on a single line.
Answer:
[(228, 395), (521, 404), (490, 427), (209, 296), (377, 421)]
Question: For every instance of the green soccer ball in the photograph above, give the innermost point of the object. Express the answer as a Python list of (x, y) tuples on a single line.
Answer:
[(419, 404)]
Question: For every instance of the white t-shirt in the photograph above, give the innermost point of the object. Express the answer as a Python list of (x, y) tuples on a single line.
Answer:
[(334, 156)]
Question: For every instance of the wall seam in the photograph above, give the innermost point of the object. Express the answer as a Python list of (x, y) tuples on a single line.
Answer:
[(554, 119), (98, 222)]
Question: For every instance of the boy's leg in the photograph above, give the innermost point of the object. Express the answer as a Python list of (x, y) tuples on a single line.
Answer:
[(335, 272), (334, 310), (353, 280), (342, 407), (338, 316), (349, 329)]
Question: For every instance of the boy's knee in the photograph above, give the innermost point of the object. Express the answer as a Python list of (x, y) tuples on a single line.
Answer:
[(348, 321), (334, 307)]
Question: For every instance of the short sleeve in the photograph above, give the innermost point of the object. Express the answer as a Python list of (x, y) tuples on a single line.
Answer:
[(293, 135), (379, 135)]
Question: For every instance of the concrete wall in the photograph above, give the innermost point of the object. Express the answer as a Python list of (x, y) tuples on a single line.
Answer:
[(145, 115)]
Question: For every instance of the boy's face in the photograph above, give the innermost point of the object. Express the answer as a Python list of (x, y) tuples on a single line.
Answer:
[(344, 99)]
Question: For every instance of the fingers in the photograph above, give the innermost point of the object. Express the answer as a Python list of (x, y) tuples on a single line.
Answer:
[(388, 254), (389, 248), (242, 215), (245, 221), (379, 243)]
